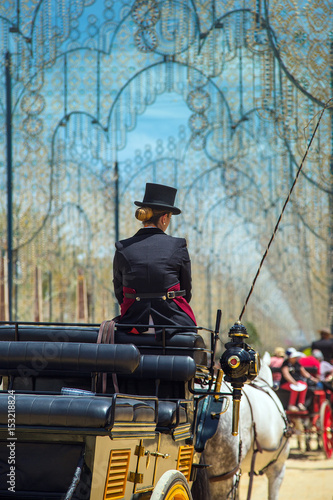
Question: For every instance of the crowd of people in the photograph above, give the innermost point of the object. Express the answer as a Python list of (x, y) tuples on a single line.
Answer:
[(295, 371)]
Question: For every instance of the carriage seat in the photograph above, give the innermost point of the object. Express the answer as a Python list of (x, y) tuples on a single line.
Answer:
[(62, 364), (47, 358), (312, 396), (170, 368), (90, 411), (170, 414), (158, 375), (179, 344), (49, 333), (65, 411), (189, 343)]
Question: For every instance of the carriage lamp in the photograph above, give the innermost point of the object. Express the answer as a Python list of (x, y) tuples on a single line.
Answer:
[(240, 364)]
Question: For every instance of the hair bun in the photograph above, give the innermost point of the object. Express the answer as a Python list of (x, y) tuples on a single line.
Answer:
[(144, 213)]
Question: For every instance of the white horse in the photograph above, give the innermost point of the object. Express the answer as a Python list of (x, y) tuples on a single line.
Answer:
[(261, 446)]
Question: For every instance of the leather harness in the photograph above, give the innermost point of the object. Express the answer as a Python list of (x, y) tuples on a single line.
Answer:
[(224, 476)]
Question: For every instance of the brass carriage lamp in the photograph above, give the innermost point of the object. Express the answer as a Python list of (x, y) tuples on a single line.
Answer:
[(240, 364)]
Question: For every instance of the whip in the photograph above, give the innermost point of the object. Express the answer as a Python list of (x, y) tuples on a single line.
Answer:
[(283, 209)]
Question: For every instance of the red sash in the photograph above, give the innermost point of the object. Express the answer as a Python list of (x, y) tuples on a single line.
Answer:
[(180, 301), (127, 302)]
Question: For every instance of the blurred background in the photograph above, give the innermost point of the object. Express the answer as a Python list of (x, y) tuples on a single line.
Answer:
[(216, 98)]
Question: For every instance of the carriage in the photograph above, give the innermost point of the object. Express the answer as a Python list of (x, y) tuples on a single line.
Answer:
[(88, 412), (316, 422)]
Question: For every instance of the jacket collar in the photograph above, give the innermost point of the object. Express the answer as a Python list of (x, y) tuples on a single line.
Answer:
[(149, 230)]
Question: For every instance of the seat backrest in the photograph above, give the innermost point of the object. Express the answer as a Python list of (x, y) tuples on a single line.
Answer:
[(159, 375), (49, 333), (62, 363), (51, 357), (183, 344), (180, 344), (170, 368)]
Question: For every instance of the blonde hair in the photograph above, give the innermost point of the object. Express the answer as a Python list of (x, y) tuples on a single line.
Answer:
[(148, 214), (280, 352), (143, 214)]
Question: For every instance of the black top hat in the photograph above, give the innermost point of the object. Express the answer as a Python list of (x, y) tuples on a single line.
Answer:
[(160, 197)]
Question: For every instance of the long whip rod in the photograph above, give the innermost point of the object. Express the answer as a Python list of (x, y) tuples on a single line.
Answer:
[(283, 209)]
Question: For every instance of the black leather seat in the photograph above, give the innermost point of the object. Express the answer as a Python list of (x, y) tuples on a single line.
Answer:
[(52, 358), (190, 344), (79, 412), (162, 376), (49, 333), (179, 344), (170, 414), (171, 368), (49, 366)]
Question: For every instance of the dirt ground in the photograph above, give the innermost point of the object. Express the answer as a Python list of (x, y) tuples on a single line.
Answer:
[(309, 476)]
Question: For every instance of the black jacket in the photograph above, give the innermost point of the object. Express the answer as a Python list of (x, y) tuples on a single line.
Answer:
[(152, 261), (326, 347)]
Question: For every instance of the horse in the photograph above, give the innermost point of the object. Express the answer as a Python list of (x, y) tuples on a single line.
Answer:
[(261, 446)]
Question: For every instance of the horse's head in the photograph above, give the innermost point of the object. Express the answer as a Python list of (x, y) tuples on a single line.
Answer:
[(265, 372)]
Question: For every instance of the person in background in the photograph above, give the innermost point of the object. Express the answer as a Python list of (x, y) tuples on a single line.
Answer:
[(324, 344), (311, 364), (275, 365), (326, 370), (294, 379), (152, 270)]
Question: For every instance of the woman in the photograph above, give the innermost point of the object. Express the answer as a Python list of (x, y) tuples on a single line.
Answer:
[(293, 379), (275, 365), (152, 270)]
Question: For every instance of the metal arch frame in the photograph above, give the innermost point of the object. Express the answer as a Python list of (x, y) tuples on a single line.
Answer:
[(218, 22), (48, 212), (271, 36), (159, 63), (215, 26), (86, 48), (197, 24), (271, 271), (292, 157), (219, 164), (148, 165), (148, 67)]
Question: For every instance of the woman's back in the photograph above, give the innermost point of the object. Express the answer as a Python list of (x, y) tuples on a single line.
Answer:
[(152, 270), (150, 261)]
